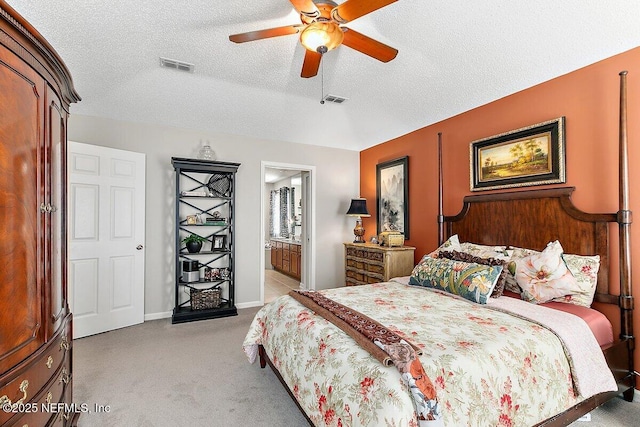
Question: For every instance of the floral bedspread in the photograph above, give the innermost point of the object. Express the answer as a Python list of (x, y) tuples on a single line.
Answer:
[(488, 367)]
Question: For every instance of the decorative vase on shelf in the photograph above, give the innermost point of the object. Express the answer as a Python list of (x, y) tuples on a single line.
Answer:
[(206, 153), (194, 247)]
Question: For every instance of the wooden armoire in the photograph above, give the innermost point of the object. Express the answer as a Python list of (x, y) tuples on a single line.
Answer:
[(35, 322)]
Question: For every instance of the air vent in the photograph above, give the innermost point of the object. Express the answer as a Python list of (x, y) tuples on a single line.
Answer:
[(335, 99), (176, 65)]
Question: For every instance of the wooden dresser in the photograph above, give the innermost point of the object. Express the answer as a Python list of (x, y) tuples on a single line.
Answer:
[(35, 322), (368, 263)]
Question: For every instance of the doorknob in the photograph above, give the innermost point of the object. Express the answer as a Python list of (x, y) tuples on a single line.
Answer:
[(139, 247)]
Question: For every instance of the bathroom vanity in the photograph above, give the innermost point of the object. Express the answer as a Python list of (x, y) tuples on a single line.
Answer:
[(286, 255)]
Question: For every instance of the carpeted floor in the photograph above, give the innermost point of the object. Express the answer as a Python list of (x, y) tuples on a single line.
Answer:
[(195, 374)]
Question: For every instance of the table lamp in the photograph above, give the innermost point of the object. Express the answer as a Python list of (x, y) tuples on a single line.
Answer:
[(358, 209)]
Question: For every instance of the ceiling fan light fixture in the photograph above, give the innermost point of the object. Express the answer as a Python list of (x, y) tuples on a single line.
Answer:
[(321, 34)]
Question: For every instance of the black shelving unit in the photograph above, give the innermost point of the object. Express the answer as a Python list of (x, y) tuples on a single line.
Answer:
[(205, 204)]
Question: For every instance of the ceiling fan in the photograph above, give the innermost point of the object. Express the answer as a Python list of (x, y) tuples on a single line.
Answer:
[(322, 29)]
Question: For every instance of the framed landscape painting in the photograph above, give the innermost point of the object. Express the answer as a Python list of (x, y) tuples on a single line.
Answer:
[(392, 187), (533, 155)]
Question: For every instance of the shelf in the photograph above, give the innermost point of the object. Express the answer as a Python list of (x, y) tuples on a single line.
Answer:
[(226, 251), (215, 283), (211, 195), (205, 197), (208, 224), (186, 314)]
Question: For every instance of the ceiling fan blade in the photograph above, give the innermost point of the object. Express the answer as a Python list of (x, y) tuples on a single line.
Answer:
[(306, 8), (353, 9), (311, 64), (265, 34), (368, 46)]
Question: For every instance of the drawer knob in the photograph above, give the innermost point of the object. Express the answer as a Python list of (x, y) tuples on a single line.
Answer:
[(49, 362)]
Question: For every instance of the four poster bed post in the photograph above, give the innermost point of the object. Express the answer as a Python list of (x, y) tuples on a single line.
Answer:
[(548, 214)]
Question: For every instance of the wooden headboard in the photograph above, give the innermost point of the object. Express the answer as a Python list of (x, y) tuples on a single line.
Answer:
[(531, 219)]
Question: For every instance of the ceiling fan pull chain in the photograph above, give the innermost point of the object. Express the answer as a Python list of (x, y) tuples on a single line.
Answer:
[(321, 75), (322, 82)]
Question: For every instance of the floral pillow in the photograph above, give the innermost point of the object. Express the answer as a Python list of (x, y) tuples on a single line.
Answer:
[(585, 270), (452, 244), (485, 251), (471, 281), (583, 267), (466, 257), (545, 276)]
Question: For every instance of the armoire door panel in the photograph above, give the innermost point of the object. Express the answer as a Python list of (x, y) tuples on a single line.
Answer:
[(55, 134), (22, 223)]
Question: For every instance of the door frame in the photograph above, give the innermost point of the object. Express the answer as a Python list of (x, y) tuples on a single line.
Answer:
[(308, 278)]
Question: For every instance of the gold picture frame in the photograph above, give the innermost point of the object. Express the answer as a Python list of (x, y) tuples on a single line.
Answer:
[(533, 155)]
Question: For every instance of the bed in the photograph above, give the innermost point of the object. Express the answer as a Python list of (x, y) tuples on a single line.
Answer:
[(506, 362)]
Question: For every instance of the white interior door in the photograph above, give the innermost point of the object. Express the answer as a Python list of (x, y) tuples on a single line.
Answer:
[(106, 196)]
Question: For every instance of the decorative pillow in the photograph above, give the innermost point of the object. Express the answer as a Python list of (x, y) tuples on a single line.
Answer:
[(585, 270), (485, 251), (452, 244), (583, 267), (472, 281), (545, 276), (511, 284), (466, 257)]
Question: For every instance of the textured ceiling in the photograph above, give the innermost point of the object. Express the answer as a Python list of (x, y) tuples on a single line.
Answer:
[(454, 55)]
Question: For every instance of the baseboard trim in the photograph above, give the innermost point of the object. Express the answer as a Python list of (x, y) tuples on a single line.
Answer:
[(157, 316), (249, 304)]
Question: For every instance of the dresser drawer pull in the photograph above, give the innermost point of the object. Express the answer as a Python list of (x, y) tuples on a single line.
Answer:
[(64, 415), (64, 345), (64, 376), (49, 362), (49, 397), (4, 400)]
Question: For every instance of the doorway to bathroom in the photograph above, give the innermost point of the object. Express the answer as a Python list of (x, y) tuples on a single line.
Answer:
[(288, 224)]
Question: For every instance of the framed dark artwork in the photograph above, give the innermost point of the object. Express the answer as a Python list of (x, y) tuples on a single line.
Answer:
[(533, 155), (392, 193)]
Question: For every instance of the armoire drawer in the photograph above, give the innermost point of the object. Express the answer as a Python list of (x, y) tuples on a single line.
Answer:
[(31, 378), (46, 409)]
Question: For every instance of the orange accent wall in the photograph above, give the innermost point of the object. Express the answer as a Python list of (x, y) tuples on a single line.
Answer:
[(588, 98)]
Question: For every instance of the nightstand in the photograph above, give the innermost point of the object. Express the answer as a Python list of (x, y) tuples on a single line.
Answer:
[(369, 263)]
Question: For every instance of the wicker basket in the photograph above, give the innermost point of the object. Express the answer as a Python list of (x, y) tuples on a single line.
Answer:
[(202, 299)]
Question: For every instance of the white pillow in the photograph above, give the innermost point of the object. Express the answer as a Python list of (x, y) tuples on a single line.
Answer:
[(583, 267), (545, 276)]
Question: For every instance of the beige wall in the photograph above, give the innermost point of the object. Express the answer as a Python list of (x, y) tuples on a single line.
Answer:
[(337, 181)]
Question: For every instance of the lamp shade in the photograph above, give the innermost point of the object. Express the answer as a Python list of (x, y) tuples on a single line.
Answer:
[(358, 208), (327, 34)]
